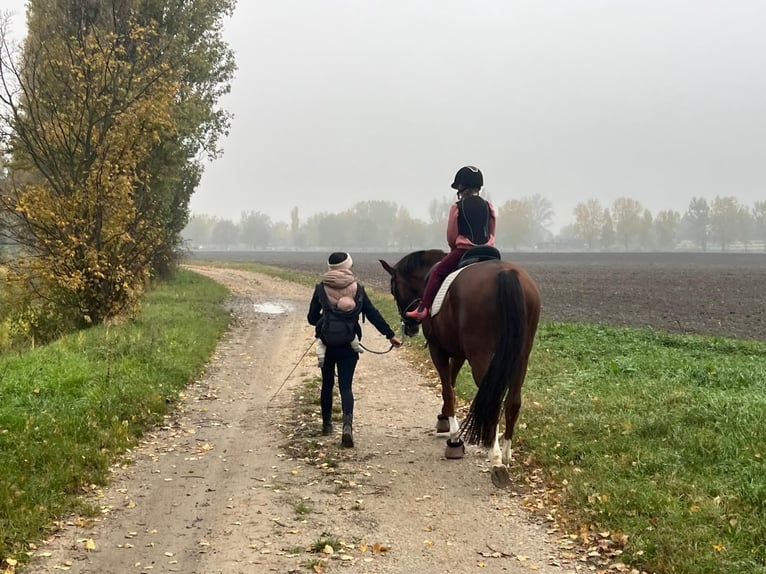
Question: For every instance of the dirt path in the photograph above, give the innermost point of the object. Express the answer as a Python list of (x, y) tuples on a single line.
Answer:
[(240, 480)]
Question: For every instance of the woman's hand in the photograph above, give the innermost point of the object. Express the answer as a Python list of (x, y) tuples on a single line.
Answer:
[(395, 341)]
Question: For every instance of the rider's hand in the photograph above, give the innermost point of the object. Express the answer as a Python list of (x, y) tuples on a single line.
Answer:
[(395, 341)]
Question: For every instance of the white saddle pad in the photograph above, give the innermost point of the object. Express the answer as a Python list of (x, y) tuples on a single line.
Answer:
[(442, 292)]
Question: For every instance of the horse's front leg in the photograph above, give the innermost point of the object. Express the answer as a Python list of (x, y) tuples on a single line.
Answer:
[(455, 447)]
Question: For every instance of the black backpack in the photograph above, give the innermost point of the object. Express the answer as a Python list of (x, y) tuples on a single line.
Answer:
[(339, 327)]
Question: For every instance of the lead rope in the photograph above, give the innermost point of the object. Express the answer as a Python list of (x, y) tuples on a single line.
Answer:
[(291, 372)]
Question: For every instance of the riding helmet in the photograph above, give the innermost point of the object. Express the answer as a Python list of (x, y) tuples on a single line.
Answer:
[(469, 177)]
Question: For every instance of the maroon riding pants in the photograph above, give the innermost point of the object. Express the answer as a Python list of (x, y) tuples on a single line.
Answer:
[(439, 273)]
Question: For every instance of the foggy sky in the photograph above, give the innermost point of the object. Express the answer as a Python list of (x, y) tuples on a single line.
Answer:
[(341, 101)]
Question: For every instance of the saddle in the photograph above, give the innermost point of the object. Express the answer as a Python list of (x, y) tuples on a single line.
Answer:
[(478, 254)]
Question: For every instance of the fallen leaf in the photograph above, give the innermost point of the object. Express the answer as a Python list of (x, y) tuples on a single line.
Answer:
[(90, 544)]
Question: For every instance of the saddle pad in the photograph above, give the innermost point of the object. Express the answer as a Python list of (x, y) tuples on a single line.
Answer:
[(442, 292)]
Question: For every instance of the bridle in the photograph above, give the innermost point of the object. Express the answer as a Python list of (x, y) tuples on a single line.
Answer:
[(406, 321)]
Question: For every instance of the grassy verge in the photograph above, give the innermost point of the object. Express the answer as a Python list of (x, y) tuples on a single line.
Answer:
[(657, 439), (68, 409)]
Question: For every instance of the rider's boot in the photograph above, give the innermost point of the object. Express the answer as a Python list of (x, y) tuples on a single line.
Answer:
[(420, 313)]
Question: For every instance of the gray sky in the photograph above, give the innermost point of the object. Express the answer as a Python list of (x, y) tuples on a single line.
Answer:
[(341, 101)]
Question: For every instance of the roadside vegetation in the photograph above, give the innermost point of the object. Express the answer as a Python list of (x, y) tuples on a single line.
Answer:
[(70, 408)]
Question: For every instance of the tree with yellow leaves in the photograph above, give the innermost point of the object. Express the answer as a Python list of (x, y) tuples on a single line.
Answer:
[(86, 104)]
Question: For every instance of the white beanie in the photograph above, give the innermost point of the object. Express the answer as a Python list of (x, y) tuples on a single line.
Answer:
[(339, 260)]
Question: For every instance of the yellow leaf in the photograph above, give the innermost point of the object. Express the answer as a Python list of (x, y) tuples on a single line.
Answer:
[(90, 544)]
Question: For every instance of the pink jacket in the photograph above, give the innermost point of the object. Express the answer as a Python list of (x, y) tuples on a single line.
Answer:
[(457, 241)]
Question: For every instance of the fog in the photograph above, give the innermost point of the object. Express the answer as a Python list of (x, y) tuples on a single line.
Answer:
[(337, 102)]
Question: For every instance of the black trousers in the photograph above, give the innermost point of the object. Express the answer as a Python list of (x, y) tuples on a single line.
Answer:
[(345, 359)]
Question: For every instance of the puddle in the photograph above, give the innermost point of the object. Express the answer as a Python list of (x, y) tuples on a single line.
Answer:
[(270, 308)]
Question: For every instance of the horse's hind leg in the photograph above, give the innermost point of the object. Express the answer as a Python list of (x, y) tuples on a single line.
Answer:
[(512, 408)]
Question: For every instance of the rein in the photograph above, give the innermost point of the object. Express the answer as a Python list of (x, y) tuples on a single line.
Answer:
[(376, 352)]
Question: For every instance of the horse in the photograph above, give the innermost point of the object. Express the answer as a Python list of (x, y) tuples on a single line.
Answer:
[(489, 317)]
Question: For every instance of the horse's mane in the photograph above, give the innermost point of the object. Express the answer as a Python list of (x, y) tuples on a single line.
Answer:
[(416, 260)]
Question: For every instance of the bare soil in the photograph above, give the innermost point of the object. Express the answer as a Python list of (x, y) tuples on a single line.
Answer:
[(239, 479)]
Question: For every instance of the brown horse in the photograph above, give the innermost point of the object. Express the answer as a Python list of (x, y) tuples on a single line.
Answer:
[(489, 317)]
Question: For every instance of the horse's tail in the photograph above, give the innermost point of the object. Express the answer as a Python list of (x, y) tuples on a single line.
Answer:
[(504, 370)]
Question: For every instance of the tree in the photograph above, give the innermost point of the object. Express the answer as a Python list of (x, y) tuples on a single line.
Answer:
[(514, 223), (225, 234), (189, 39), (438, 211), (373, 223), (540, 216), (626, 213), (697, 219), (608, 236), (589, 219), (87, 104), (666, 229), (120, 93), (297, 236), (725, 221), (199, 231), (759, 221), (646, 230), (255, 229)]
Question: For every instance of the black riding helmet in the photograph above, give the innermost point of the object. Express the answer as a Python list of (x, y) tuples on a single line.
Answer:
[(469, 177)]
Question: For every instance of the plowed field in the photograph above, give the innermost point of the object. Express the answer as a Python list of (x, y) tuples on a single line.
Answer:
[(692, 293)]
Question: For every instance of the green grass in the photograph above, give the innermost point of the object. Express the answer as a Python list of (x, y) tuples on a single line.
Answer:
[(659, 437), (68, 409)]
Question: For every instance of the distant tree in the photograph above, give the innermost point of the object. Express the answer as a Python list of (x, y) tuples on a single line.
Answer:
[(725, 221), (646, 238), (297, 235), (410, 233), (759, 221), (697, 219), (254, 229), (198, 231), (626, 213), (607, 237), (438, 210), (540, 217), (373, 223), (514, 223), (589, 221), (335, 230), (225, 234), (666, 229), (280, 235)]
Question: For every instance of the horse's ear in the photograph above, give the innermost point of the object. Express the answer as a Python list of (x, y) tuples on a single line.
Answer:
[(387, 267)]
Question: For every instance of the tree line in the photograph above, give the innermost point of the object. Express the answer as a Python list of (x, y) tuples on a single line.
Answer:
[(522, 224), (107, 110)]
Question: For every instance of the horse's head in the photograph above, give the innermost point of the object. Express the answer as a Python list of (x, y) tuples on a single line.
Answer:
[(408, 281)]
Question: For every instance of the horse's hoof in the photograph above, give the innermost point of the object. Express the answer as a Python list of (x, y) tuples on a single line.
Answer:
[(442, 423), (455, 449), (500, 477)]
